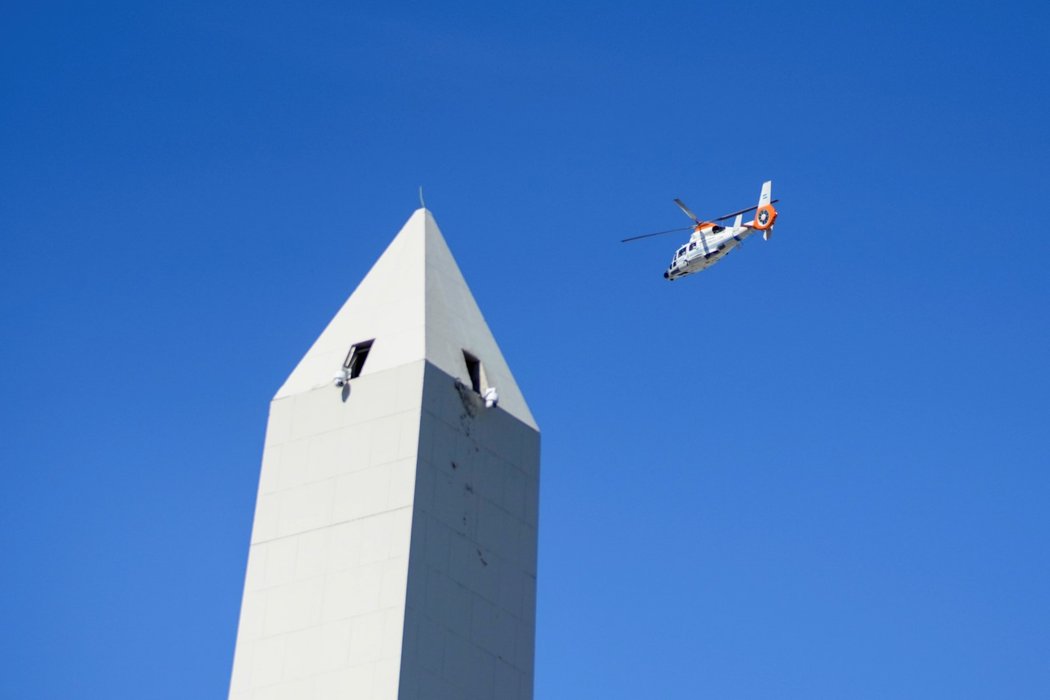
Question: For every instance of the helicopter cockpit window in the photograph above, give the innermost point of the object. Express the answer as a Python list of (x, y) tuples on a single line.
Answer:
[(681, 252)]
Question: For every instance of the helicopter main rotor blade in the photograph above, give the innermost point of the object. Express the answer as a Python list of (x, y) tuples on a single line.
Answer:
[(658, 233), (691, 215), (742, 211), (683, 207)]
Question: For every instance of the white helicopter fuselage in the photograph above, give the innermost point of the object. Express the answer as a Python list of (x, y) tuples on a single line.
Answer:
[(710, 241), (705, 247)]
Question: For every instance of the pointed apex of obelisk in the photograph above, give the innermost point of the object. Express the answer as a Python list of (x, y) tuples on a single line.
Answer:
[(458, 339), (413, 305)]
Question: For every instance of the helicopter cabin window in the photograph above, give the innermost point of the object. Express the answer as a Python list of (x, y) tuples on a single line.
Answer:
[(355, 359), (475, 371), (692, 245), (681, 252)]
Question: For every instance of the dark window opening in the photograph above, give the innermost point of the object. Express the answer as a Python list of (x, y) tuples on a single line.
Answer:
[(473, 371), (355, 359)]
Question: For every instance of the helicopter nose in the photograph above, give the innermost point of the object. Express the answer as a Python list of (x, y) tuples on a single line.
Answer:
[(666, 276)]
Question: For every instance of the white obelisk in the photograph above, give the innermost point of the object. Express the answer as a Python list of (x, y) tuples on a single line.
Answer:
[(393, 554)]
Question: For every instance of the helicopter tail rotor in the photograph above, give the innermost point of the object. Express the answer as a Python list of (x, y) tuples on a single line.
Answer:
[(765, 212)]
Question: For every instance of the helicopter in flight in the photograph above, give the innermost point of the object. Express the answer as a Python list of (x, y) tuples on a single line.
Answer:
[(710, 241)]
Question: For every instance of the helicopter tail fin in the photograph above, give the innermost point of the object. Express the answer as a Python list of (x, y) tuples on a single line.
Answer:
[(767, 193), (766, 214)]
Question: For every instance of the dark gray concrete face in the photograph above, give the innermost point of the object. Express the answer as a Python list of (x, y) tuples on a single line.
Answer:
[(471, 598)]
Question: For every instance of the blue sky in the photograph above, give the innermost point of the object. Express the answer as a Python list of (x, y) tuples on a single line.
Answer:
[(817, 470)]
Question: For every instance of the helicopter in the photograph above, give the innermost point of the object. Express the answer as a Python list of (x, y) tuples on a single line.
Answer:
[(710, 242)]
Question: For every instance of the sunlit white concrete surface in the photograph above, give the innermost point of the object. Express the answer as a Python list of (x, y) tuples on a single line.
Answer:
[(393, 553)]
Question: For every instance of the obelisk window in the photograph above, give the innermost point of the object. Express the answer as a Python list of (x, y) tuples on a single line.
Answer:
[(475, 372), (355, 359)]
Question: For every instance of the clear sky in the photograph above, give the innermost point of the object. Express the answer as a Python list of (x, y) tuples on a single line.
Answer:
[(818, 470)]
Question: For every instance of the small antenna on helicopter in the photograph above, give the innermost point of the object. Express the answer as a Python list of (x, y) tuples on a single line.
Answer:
[(421, 202)]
